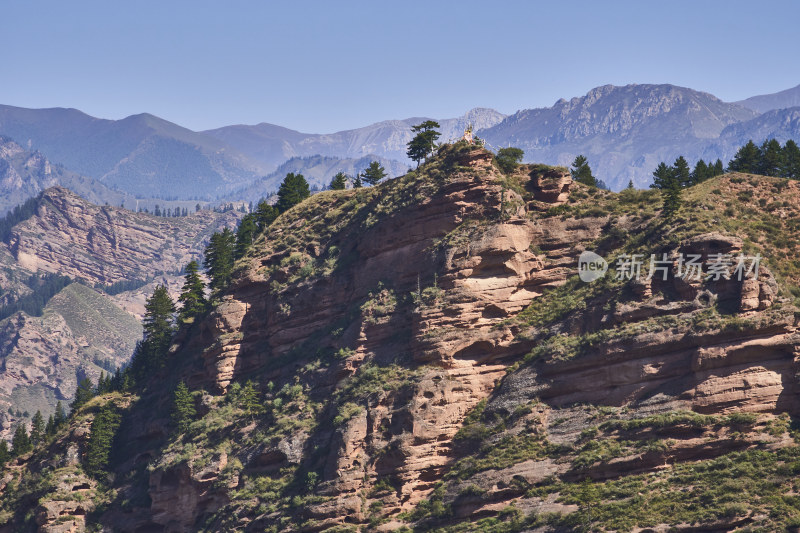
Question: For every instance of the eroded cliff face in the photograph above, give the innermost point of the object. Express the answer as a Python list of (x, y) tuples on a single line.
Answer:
[(432, 297), (424, 355), (73, 237)]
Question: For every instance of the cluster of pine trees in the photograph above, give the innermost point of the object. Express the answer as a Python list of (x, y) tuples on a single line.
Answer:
[(22, 442), (17, 215), (671, 180), (372, 175), (770, 159)]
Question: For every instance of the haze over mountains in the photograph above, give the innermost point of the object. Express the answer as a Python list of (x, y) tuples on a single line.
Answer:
[(624, 131)]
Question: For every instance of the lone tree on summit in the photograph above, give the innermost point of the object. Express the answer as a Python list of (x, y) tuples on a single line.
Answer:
[(423, 142), (582, 173)]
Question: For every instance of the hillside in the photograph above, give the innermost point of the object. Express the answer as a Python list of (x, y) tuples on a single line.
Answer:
[(424, 356), (80, 333)]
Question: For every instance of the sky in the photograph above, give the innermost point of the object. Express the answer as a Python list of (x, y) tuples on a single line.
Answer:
[(327, 66)]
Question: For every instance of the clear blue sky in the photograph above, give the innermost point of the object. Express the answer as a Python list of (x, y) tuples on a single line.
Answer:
[(331, 65)]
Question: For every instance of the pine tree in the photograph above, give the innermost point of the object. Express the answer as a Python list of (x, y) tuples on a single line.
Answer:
[(50, 427), (424, 142), (357, 183), (4, 453), (192, 297), (219, 259), (582, 173), (245, 234), (101, 438), (248, 398), (374, 173), (59, 417), (339, 182), (151, 351), (158, 316), (700, 173), (718, 169), (83, 394), (682, 172), (292, 191), (37, 428), (747, 159), (630, 186), (265, 215), (183, 410), (20, 442), (508, 159), (665, 180), (791, 160), (771, 158)]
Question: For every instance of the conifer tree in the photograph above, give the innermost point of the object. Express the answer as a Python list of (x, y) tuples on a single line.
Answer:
[(666, 181), (293, 190), (374, 173), (718, 169), (248, 398), (50, 427), (339, 182), (37, 428), (158, 316), (101, 438), (700, 173), (151, 351), (4, 453), (192, 297), (771, 158), (582, 173), (245, 234), (83, 394), (183, 410), (265, 215), (423, 143), (791, 160), (682, 172), (630, 186), (59, 417), (219, 259), (20, 442), (747, 159)]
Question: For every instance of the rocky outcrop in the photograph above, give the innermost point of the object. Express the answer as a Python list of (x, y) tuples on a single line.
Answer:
[(104, 245), (448, 365)]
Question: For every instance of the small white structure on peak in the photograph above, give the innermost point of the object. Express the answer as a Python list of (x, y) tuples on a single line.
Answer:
[(468, 134)]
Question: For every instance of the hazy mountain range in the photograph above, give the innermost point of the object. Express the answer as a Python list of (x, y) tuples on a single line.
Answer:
[(624, 131)]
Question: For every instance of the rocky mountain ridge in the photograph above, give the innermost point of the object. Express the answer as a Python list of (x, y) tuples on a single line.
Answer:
[(446, 370), (768, 102), (625, 132)]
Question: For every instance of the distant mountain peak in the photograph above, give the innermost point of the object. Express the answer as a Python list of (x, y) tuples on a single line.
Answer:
[(767, 102)]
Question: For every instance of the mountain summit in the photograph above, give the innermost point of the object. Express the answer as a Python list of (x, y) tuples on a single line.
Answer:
[(624, 131)]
